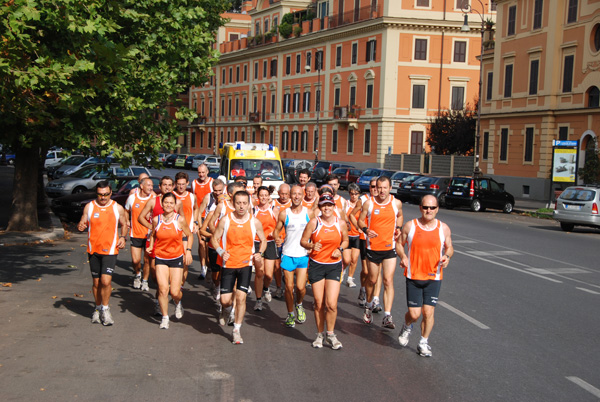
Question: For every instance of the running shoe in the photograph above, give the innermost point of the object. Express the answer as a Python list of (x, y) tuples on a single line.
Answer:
[(424, 349), (237, 337), (350, 282), (216, 293), (258, 306), (318, 343), (333, 341), (367, 316), (388, 322), (203, 271), (137, 282), (231, 318), (223, 316), (164, 324), (249, 291), (219, 306), (145, 287), (267, 296), (290, 321), (157, 311), (178, 310), (362, 298), (377, 307), (300, 313), (107, 317), (404, 334), (96, 317), (278, 293)]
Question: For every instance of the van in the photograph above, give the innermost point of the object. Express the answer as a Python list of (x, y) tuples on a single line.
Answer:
[(250, 160)]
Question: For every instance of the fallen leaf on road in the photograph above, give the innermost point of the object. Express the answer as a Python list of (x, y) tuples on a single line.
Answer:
[(83, 245), (54, 297), (71, 266), (39, 279), (42, 389), (76, 295), (7, 285)]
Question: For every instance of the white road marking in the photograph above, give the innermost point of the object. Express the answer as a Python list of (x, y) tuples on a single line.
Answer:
[(493, 253), (463, 315), (463, 241), (588, 387), (508, 266), (589, 291), (557, 271)]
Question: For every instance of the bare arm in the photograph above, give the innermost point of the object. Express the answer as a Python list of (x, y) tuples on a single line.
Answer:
[(344, 244), (216, 239), (401, 242), (445, 260), (352, 215), (204, 228), (278, 227), (363, 214), (83, 223), (399, 220), (151, 235), (190, 242), (305, 240), (147, 208)]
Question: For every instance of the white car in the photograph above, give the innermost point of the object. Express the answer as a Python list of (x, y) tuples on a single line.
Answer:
[(53, 158), (209, 160)]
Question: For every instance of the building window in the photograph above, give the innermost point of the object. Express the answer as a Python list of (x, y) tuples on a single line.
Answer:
[(369, 101), (256, 70), (460, 3), (223, 76), (306, 102), (222, 107), (512, 20), (336, 97), (288, 65), (235, 137), (265, 68), (490, 86), (201, 139), (528, 144), (418, 97), (230, 75), (420, 49), (274, 68), (563, 133), (572, 12), (338, 56), (202, 109), (486, 145), (504, 145), (352, 96), (275, 22), (308, 58), (593, 97), (568, 73), (296, 105), (318, 100), (257, 28), (422, 3), (367, 147), (253, 135), (533, 77), (286, 103), (350, 141), (273, 100), (237, 74), (416, 142), (537, 14), (315, 139), (229, 106), (210, 139), (284, 141), (319, 60), (244, 106), (371, 50), (298, 63), (271, 137), (460, 51), (508, 75), (294, 141), (210, 108), (222, 136), (354, 52), (193, 140), (243, 136), (334, 142), (229, 136), (237, 106), (458, 98), (255, 104), (245, 72), (304, 141), (266, 26)]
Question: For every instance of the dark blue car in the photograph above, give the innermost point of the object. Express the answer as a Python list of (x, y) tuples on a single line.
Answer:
[(367, 175)]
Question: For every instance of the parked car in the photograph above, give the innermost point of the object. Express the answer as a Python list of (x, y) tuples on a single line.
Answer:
[(292, 167), (86, 178), (170, 160), (209, 160), (53, 158), (367, 175), (7, 158), (180, 161), (162, 157), (430, 185), (478, 193), (322, 168), (403, 192), (70, 207), (397, 179), (578, 205), (188, 162), (347, 175), (79, 162)]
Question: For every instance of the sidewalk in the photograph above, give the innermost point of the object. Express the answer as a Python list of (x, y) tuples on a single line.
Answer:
[(50, 225), (528, 205)]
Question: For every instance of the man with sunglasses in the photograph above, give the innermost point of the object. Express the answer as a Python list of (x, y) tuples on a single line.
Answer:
[(102, 217), (429, 246)]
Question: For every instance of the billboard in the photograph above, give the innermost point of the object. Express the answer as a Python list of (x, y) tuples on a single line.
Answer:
[(564, 161)]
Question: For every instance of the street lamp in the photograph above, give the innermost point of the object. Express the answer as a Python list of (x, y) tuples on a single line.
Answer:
[(466, 8), (318, 100)]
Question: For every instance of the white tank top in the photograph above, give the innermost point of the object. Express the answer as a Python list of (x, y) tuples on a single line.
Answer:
[(294, 227)]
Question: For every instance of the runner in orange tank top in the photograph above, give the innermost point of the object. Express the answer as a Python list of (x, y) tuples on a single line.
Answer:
[(202, 186), (284, 202), (429, 245), (310, 196), (189, 205), (139, 233), (234, 242), (166, 240), (102, 218), (385, 220), (325, 237), (352, 253)]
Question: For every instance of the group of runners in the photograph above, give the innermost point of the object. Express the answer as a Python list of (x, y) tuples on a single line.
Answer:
[(307, 236)]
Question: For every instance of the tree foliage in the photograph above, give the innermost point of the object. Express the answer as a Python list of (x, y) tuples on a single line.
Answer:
[(100, 73), (453, 132), (590, 173)]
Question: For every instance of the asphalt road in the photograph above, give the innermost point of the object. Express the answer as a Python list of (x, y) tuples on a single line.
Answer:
[(517, 321)]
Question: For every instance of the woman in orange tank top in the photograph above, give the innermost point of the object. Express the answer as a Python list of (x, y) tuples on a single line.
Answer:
[(167, 235), (325, 237)]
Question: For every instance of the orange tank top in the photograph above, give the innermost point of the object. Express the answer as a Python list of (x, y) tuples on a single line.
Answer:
[(268, 220), (308, 204), (168, 239), (200, 190), (425, 249), (282, 207), (135, 204), (187, 202), (103, 228), (352, 230), (382, 219), (330, 238), (238, 241)]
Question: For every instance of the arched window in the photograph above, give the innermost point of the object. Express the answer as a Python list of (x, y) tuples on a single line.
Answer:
[(593, 97)]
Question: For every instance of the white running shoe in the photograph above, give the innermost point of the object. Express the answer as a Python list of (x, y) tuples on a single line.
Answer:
[(404, 334), (137, 282), (278, 293), (96, 317), (350, 282), (222, 316), (237, 337), (203, 271), (178, 310), (318, 343), (362, 297), (424, 349), (267, 296), (258, 306), (334, 342), (367, 316), (231, 318), (107, 317), (164, 324), (145, 287)]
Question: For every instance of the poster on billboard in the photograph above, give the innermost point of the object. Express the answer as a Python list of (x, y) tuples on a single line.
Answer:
[(564, 162)]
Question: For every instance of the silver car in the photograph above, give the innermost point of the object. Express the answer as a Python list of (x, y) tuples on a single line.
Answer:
[(209, 160), (578, 205), (86, 178)]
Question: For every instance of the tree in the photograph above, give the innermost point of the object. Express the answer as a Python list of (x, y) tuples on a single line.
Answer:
[(590, 173), (453, 132), (97, 75)]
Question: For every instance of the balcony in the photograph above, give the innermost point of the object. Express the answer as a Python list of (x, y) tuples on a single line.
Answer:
[(347, 114), (198, 121), (258, 119)]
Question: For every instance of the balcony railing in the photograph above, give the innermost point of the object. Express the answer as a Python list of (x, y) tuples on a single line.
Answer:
[(254, 117), (356, 15), (346, 112)]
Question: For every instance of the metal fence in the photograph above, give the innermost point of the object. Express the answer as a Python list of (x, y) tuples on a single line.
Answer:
[(440, 165)]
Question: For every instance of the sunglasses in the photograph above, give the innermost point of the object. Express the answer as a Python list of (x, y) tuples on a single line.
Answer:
[(373, 186), (428, 208), (103, 194)]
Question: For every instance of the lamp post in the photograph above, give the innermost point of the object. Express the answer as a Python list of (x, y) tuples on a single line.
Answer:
[(318, 64), (466, 8)]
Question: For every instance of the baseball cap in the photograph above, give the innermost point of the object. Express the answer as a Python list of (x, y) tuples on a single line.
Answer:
[(326, 199)]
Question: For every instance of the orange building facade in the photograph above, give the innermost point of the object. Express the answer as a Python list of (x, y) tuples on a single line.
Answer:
[(372, 73), (540, 84)]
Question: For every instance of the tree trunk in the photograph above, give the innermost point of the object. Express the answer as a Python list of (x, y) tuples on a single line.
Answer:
[(24, 216)]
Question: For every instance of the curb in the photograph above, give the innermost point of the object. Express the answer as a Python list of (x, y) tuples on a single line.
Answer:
[(55, 232)]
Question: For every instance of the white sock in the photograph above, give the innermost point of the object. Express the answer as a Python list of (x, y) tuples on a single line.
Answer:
[(236, 327), (387, 313), (370, 305), (98, 307), (104, 307), (376, 300), (423, 340)]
